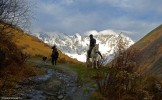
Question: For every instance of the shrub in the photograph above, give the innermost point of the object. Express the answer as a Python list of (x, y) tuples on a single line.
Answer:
[(122, 82)]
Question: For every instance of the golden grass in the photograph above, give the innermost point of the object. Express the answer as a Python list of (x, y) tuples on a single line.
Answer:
[(17, 70), (149, 38), (34, 46), (149, 50)]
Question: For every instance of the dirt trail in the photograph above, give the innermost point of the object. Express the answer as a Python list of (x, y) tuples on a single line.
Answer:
[(64, 67), (80, 92), (56, 84)]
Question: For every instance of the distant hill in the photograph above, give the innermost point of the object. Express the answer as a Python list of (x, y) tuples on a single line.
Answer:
[(150, 51)]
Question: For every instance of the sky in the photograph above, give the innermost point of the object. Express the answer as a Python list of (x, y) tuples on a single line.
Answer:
[(135, 18)]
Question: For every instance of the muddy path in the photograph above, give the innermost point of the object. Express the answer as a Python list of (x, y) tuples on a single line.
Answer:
[(62, 84)]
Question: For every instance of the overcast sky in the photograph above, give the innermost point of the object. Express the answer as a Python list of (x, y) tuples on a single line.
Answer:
[(138, 17)]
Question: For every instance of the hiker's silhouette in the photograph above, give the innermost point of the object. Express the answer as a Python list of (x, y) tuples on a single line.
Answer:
[(54, 55)]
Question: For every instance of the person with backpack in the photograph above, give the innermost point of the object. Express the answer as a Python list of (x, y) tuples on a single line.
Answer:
[(54, 55)]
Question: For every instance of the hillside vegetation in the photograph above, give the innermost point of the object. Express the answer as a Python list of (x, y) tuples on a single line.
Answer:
[(36, 48), (16, 47), (12, 64), (123, 81), (150, 55)]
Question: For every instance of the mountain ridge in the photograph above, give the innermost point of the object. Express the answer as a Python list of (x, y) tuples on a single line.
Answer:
[(76, 46)]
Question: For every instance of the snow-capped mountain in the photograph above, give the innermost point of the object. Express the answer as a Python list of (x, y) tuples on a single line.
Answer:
[(76, 46)]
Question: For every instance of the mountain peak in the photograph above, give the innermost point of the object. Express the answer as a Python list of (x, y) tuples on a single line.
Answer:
[(94, 32), (76, 46), (107, 32), (104, 32), (77, 35)]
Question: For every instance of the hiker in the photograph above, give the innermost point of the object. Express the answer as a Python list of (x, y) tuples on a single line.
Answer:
[(92, 44), (54, 55)]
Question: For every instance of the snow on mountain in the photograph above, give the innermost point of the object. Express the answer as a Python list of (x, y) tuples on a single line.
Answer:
[(104, 32), (76, 46)]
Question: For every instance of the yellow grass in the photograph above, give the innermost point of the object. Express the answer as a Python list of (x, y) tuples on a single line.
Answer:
[(36, 48), (150, 50)]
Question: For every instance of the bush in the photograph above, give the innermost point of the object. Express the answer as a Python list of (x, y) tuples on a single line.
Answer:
[(10, 52), (122, 82)]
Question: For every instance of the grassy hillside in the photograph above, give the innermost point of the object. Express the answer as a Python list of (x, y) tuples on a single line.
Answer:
[(36, 48), (14, 43), (150, 51), (12, 64)]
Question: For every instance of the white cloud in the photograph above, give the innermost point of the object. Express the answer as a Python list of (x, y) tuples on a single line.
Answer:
[(67, 2), (59, 16), (135, 5), (50, 8), (138, 28)]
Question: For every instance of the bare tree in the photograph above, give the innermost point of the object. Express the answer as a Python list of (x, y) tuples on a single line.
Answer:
[(14, 13)]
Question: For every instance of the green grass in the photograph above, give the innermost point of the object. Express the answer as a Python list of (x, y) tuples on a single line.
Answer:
[(84, 73), (42, 64), (87, 75), (87, 78)]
